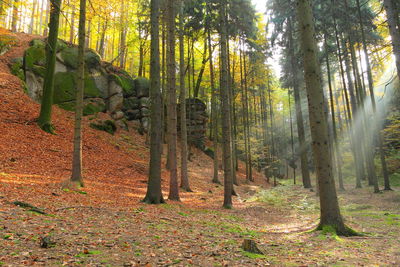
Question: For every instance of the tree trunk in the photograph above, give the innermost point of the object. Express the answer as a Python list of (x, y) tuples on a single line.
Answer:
[(182, 99), (15, 16), (372, 95), (202, 69), (122, 40), (226, 142), (305, 173), (44, 120), (154, 193), (392, 12), (77, 155), (33, 17), (214, 112), (72, 30), (330, 212), (171, 116), (334, 129)]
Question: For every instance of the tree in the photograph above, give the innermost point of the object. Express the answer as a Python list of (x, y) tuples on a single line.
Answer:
[(77, 155), (226, 128), (44, 120), (329, 206), (15, 16), (154, 193), (171, 115), (392, 12), (182, 99)]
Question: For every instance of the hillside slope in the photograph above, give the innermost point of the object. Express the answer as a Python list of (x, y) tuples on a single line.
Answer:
[(111, 163)]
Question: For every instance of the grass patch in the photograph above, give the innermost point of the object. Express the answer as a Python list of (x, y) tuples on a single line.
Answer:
[(253, 255)]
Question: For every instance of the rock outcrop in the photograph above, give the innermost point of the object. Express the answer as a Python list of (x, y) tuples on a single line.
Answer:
[(107, 88)]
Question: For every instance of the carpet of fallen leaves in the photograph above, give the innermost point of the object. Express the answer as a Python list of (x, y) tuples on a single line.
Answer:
[(105, 224)]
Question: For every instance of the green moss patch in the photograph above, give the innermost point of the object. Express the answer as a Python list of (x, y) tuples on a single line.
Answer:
[(107, 126)]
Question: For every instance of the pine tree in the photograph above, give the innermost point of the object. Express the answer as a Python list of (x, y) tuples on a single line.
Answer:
[(329, 206), (154, 193)]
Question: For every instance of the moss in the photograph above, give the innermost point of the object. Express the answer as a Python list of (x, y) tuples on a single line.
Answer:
[(70, 57), (107, 126), (93, 108), (126, 82), (17, 68), (131, 103), (34, 55), (65, 87), (37, 42), (92, 58), (39, 70)]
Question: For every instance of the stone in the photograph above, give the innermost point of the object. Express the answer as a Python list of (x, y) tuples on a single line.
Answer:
[(34, 85), (145, 112), (100, 80), (60, 67), (132, 115), (145, 102), (119, 115), (131, 103), (142, 86)]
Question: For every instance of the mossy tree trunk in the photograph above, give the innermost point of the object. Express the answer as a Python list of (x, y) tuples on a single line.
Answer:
[(51, 51), (171, 115), (329, 206), (182, 98), (226, 136), (154, 193), (77, 155)]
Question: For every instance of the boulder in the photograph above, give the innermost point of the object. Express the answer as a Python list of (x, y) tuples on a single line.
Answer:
[(119, 115), (101, 81), (142, 86), (34, 85), (131, 103), (145, 112), (145, 102), (132, 115)]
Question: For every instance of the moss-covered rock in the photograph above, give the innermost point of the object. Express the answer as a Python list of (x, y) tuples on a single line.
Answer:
[(69, 56), (107, 126), (131, 103), (17, 68), (34, 55), (93, 106), (142, 86)]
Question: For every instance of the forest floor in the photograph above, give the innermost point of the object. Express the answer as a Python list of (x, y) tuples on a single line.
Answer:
[(105, 224)]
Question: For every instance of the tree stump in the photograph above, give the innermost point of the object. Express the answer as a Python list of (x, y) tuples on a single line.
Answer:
[(251, 246)]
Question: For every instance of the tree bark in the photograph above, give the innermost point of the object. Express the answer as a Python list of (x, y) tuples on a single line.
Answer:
[(171, 116), (154, 193), (392, 12), (77, 155), (305, 173), (329, 206), (182, 98), (226, 142), (15, 15), (215, 113), (44, 120)]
